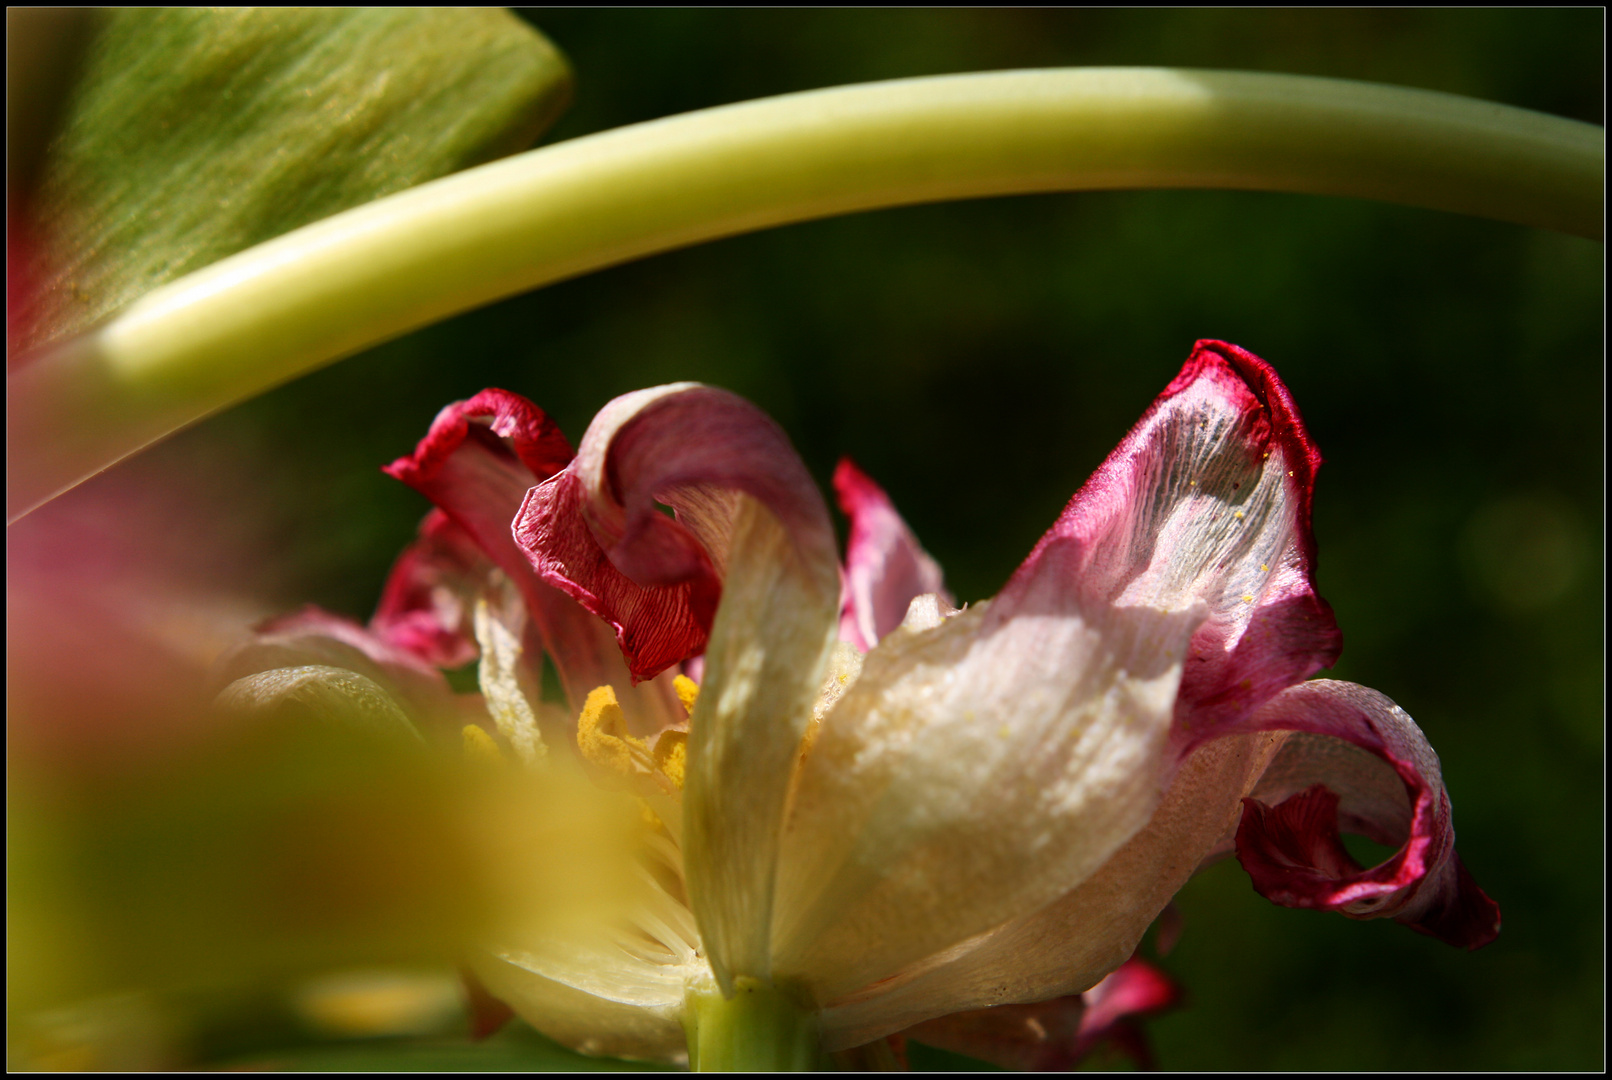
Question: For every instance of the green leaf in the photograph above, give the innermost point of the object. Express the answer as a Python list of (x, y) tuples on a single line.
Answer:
[(194, 134)]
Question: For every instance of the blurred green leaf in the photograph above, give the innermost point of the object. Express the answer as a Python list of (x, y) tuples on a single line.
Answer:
[(278, 847), (515, 1049), (194, 134)]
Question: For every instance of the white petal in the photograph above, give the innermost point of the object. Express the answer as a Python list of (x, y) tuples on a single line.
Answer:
[(764, 667), (1070, 944), (598, 1001), (972, 774), (501, 671)]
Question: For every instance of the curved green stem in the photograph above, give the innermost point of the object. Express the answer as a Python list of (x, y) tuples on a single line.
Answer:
[(286, 307)]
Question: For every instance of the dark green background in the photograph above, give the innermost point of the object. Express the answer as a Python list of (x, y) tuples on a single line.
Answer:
[(979, 359)]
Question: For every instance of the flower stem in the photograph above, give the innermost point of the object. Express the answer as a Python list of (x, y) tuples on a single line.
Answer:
[(758, 1029), (305, 299)]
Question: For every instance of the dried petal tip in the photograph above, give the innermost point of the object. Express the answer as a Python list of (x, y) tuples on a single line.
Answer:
[(1232, 429), (503, 421)]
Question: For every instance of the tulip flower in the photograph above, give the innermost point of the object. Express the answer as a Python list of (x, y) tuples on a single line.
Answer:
[(874, 810), (879, 811)]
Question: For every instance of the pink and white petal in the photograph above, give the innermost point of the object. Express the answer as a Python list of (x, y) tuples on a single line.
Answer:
[(476, 464), (1207, 501), (596, 530), (885, 567), (1073, 943), (426, 605), (1364, 765), (1051, 714), (1268, 628)]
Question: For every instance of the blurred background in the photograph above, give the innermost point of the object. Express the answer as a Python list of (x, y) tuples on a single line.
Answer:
[(979, 359)]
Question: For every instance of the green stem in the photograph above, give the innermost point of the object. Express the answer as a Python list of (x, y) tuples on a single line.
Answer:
[(300, 301), (758, 1029)]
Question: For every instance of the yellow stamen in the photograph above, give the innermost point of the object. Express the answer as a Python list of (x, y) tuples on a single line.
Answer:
[(671, 755), (602, 734), (479, 745), (688, 692)]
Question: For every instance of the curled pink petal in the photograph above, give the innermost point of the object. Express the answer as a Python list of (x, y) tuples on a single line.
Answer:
[(426, 606), (476, 464), (1134, 990), (1365, 765), (885, 567), (506, 422), (596, 530), (656, 626)]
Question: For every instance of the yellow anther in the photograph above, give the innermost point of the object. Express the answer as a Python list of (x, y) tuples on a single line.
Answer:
[(1237, 514), (602, 733), (479, 745), (688, 692), (1263, 567), (671, 755), (1247, 599)]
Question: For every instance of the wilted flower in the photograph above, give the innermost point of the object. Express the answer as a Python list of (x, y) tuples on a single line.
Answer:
[(879, 808)]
